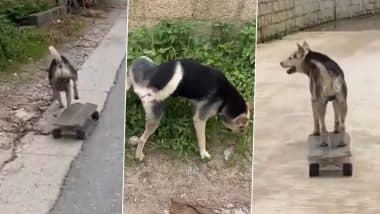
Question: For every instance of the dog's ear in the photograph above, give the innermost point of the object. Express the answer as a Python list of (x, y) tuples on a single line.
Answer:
[(241, 119), (300, 48), (305, 46)]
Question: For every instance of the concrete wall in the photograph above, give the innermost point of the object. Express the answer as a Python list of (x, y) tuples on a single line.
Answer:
[(279, 17), (149, 12)]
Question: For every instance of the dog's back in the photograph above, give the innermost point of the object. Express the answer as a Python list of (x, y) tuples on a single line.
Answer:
[(327, 78)]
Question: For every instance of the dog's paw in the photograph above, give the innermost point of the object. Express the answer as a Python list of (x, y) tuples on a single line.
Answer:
[(134, 140), (76, 97), (324, 144), (61, 106), (139, 156), (315, 133), (204, 154)]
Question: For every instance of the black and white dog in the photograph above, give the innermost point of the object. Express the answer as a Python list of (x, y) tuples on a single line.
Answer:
[(207, 87), (62, 75)]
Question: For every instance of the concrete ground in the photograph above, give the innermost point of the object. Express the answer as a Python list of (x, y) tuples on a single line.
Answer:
[(283, 121), (32, 182)]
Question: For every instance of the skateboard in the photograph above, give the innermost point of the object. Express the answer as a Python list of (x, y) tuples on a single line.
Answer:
[(332, 157), (76, 119)]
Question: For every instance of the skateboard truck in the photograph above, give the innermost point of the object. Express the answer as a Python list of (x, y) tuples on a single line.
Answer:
[(333, 157), (76, 119)]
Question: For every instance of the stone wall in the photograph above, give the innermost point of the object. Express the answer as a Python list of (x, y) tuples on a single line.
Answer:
[(279, 17), (149, 12)]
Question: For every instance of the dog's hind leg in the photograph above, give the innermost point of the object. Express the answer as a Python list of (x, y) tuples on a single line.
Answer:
[(343, 114), (68, 96), (153, 114), (321, 109), (57, 96), (336, 116), (342, 111), (75, 87), (316, 131)]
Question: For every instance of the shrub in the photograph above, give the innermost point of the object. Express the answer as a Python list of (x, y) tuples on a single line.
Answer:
[(15, 10), (17, 44)]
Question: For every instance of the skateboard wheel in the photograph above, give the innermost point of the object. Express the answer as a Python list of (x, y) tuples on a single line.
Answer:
[(95, 115), (347, 169), (57, 133), (80, 134), (314, 170)]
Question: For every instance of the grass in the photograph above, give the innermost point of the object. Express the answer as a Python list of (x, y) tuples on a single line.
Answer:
[(19, 44), (229, 47)]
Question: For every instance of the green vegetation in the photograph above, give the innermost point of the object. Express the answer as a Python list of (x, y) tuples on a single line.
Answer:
[(15, 10), (18, 44), (229, 47)]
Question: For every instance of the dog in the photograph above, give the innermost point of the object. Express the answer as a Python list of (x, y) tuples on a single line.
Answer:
[(327, 84), (206, 87), (62, 75)]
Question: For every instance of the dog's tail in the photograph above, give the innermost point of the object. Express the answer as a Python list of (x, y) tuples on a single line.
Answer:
[(57, 56)]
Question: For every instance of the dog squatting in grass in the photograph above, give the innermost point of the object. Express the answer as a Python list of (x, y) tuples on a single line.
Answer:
[(206, 87)]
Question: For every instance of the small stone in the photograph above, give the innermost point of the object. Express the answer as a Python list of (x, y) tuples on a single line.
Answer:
[(228, 152), (134, 140), (23, 115)]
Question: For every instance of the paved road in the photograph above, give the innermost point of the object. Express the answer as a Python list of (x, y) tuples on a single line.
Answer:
[(283, 121), (94, 183)]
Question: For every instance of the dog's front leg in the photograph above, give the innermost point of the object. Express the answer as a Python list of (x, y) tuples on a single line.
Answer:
[(153, 114), (150, 128), (200, 130), (316, 131)]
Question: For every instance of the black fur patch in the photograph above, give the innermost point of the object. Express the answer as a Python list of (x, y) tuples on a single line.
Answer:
[(201, 83)]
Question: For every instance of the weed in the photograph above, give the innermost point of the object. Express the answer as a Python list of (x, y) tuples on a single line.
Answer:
[(18, 44), (16, 10), (226, 46)]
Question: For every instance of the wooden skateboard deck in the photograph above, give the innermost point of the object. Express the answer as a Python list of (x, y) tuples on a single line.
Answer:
[(332, 150), (332, 157), (78, 118)]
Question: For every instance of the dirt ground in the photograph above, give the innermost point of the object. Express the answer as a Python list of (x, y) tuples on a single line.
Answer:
[(150, 185), (217, 184), (24, 90)]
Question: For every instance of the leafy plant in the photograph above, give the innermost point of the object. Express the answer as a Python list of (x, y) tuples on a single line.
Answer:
[(15, 10), (17, 44), (229, 47)]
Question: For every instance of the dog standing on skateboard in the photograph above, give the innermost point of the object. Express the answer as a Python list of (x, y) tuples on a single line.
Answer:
[(206, 87), (62, 75), (327, 83)]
